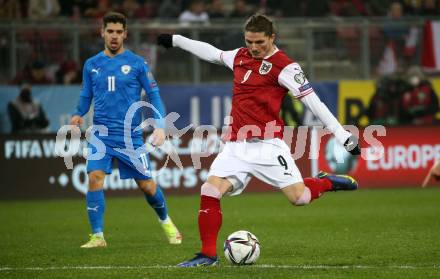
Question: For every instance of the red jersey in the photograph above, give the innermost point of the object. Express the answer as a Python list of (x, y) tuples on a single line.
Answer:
[(257, 96)]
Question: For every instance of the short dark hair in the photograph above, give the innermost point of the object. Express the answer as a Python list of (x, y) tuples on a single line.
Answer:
[(260, 23), (114, 17)]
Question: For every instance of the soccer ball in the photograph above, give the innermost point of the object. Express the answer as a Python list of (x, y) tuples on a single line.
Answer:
[(242, 248)]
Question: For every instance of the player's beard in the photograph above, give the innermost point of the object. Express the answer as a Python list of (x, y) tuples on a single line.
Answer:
[(260, 54), (114, 50)]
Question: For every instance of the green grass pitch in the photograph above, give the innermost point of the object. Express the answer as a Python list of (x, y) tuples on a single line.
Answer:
[(361, 234)]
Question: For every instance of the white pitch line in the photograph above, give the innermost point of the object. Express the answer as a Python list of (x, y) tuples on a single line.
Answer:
[(264, 266)]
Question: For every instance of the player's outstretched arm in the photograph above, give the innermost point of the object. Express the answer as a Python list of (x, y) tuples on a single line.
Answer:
[(292, 77), (350, 142), (200, 49), (352, 145), (158, 137)]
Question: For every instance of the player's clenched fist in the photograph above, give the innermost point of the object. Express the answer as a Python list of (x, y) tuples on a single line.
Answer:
[(76, 120), (158, 137), (165, 40), (352, 145)]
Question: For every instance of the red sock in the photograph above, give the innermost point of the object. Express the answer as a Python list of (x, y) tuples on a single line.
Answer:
[(210, 221), (317, 186)]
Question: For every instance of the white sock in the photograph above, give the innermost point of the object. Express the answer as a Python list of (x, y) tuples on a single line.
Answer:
[(166, 221), (100, 234)]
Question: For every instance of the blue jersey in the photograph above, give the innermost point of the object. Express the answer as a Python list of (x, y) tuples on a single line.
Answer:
[(114, 84)]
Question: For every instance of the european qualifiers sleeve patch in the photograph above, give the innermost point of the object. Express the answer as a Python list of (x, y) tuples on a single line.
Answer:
[(304, 90)]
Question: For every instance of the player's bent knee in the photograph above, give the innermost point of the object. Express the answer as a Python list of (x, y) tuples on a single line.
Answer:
[(297, 194), (305, 197), (210, 190), (147, 186), (96, 180)]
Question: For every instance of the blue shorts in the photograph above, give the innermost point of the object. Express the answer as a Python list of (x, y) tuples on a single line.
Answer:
[(137, 168)]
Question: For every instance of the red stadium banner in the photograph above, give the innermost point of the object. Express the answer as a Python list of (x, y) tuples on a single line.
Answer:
[(408, 154)]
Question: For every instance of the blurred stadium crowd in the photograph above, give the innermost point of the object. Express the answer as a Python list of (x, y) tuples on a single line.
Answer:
[(404, 99), (40, 69), (208, 9)]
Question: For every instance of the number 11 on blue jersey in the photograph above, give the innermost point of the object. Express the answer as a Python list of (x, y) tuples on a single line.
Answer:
[(111, 83)]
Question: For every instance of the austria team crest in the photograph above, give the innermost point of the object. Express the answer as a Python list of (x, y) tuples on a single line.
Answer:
[(126, 69), (265, 67)]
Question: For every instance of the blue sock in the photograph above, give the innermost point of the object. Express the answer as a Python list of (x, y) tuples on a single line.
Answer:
[(95, 209), (157, 202)]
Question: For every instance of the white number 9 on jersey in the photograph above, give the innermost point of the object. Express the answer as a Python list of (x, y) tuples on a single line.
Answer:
[(246, 76)]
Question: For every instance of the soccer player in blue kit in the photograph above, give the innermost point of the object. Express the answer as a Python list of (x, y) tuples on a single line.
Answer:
[(114, 79)]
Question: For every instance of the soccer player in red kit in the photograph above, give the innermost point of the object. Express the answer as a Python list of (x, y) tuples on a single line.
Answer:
[(263, 74)]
